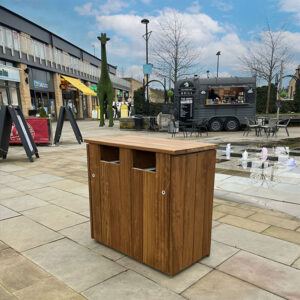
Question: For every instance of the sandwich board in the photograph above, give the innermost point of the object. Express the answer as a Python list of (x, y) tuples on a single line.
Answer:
[(60, 123), (8, 115)]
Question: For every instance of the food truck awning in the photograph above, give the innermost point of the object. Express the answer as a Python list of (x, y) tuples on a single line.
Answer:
[(79, 85)]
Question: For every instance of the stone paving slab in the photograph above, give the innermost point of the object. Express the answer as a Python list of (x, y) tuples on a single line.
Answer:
[(283, 234), (263, 245), (129, 286), (276, 221), (48, 289), (218, 254), (16, 272), (77, 266), (6, 213), (23, 203), (244, 223), (235, 211), (217, 285), (5, 295), (54, 217), (269, 275), (22, 233), (177, 283)]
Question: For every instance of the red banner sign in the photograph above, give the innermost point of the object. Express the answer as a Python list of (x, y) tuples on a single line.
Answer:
[(38, 128)]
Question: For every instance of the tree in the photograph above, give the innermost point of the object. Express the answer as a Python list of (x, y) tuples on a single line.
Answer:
[(264, 59), (139, 101), (173, 53)]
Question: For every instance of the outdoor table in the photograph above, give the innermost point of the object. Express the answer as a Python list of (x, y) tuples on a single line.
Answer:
[(152, 198)]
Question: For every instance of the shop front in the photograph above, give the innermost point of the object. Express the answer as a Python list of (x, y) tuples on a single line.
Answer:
[(42, 92), (75, 94), (9, 85)]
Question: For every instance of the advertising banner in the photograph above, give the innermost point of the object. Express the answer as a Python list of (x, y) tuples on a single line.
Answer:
[(38, 128)]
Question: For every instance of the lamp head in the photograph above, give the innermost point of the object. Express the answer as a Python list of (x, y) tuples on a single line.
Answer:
[(145, 21), (218, 53)]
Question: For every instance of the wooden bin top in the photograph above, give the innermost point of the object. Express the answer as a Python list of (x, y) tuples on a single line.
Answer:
[(152, 144)]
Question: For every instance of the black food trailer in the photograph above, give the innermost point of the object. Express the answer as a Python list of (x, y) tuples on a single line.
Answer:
[(223, 102)]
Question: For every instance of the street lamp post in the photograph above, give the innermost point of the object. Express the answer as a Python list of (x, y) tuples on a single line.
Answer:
[(207, 72), (146, 37), (218, 54)]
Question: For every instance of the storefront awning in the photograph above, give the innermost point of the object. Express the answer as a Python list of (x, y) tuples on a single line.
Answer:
[(79, 85)]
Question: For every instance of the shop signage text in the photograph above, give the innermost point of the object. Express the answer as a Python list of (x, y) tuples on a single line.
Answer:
[(40, 84), (9, 73)]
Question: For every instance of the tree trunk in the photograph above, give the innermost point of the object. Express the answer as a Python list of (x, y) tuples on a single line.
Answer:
[(268, 96)]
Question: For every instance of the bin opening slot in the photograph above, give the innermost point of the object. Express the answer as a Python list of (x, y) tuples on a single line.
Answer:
[(144, 160), (109, 153)]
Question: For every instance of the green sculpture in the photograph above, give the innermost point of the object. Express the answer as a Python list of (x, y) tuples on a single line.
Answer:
[(105, 88)]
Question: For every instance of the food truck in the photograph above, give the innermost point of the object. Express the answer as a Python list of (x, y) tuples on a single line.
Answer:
[(223, 102)]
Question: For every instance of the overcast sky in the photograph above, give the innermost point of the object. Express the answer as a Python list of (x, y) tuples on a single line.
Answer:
[(228, 26)]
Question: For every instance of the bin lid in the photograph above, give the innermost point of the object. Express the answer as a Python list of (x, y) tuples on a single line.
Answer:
[(152, 144)]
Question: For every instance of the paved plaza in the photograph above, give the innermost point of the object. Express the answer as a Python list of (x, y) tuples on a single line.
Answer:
[(46, 251)]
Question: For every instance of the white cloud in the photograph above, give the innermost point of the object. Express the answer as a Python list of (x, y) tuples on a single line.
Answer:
[(127, 47), (113, 6), (194, 8), (107, 8), (291, 6), (222, 5), (85, 10)]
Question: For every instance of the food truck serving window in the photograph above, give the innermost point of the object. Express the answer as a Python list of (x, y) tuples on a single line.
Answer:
[(226, 95)]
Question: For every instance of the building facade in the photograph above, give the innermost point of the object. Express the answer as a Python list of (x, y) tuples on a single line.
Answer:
[(40, 69)]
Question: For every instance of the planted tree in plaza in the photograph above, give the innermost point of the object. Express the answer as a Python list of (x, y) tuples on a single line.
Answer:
[(105, 88), (265, 56), (174, 54)]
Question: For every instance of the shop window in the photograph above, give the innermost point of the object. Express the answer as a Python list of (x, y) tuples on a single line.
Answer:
[(8, 38), (13, 96), (16, 40), (42, 50), (1, 37), (36, 49), (226, 95), (3, 96)]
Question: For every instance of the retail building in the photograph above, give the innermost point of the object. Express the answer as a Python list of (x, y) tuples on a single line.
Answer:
[(40, 69)]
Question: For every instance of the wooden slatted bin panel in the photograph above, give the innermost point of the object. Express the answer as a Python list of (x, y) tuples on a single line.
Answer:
[(191, 202)]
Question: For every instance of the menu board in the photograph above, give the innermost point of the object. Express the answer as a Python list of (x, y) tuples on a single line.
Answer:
[(186, 98), (186, 107)]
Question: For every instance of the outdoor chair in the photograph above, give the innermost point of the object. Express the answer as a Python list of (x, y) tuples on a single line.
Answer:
[(250, 125), (270, 127), (202, 127), (177, 127), (284, 124)]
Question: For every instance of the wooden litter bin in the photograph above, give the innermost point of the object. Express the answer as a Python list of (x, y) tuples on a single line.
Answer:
[(152, 198)]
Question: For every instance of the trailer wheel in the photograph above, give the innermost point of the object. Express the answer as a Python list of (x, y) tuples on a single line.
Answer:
[(232, 124), (215, 125)]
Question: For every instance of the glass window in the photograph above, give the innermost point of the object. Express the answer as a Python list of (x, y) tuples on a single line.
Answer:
[(58, 57), (42, 51), (3, 96), (8, 38), (36, 49), (13, 96), (16, 40), (1, 37)]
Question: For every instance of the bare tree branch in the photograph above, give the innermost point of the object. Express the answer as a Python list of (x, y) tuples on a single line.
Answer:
[(173, 52), (265, 56)]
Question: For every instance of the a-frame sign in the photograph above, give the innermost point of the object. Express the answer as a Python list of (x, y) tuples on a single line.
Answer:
[(8, 115), (60, 123)]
